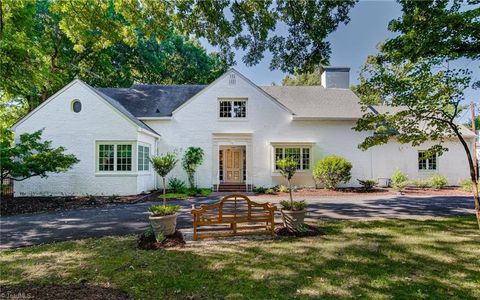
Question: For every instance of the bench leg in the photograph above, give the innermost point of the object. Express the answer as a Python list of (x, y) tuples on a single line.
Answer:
[(195, 231), (272, 224)]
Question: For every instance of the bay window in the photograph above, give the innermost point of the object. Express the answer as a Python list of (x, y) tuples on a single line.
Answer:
[(114, 157), (143, 158)]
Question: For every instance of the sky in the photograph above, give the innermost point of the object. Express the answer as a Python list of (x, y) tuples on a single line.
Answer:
[(350, 44)]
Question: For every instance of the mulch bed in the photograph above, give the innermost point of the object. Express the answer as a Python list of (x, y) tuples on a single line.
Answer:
[(57, 291), (446, 191), (25, 205), (307, 230), (148, 242)]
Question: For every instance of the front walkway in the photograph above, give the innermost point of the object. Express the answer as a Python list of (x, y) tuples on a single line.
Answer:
[(26, 230)]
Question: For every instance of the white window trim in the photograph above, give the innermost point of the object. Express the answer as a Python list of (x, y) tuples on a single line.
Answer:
[(115, 172), (231, 99), (426, 171), (275, 172), (143, 172)]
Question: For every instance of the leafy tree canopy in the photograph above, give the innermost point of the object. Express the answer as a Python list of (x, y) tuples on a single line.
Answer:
[(308, 78), (422, 101), (248, 25), (37, 57), (31, 157), (436, 28), (477, 123)]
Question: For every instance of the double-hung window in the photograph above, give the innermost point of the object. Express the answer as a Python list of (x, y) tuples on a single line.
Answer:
[(143, 158), (427, 162), (114, 157), (232, 108), (300, 154)]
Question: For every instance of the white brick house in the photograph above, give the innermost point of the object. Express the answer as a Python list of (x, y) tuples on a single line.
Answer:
[(243, 129)]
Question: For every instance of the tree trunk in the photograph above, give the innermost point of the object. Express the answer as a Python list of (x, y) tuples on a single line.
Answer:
[(473, 176), (290, 192), (164, 193), (191, 179)]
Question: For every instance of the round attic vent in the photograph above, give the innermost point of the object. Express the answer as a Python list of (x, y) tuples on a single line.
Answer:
[(76, 106)]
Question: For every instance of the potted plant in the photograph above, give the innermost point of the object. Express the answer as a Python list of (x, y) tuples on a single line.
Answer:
[(163, 217), (293, 212)]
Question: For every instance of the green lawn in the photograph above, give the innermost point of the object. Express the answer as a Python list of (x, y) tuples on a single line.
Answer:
[(403, 259), (203, 192)]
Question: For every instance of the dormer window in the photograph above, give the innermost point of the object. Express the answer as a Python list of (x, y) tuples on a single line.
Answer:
[(232, 108)]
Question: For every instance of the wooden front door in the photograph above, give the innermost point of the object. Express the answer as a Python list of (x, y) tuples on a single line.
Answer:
[(233, 165)]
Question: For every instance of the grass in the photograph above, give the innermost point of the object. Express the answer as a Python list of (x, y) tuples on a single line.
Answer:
[(203, 192), (403, 259)]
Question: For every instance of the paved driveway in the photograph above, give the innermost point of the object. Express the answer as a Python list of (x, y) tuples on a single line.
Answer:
[(25, 230)]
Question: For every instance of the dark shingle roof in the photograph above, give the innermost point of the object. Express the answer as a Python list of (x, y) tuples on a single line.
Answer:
[(152, 100), (124, 111)]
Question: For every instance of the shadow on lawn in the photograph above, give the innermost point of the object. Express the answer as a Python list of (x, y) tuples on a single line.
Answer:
[(378, 259)]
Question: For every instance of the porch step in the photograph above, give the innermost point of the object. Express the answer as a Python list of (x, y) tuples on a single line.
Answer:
[(232, 187)]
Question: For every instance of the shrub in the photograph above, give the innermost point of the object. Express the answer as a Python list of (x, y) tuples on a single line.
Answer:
[(421, 184), (194, 191), (332, 170), (293, 205), (438, 181), (177, 185), (270, 191), (259, 190), (163, 210), (283, 189), (399, 180), (466, 184), (367, 184), (192, 159)]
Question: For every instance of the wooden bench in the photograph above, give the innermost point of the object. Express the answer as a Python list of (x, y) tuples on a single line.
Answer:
[(234, 215)]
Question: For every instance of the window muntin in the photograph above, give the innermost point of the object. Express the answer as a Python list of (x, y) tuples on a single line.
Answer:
[(233, 109), (426, 162), (300, 154), (143, 158), (114, 157)]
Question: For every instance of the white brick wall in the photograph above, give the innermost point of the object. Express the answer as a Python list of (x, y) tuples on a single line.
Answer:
[(195, 123), (78, 133)]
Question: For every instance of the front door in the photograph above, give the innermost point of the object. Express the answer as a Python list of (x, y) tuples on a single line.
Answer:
[(233, 165)]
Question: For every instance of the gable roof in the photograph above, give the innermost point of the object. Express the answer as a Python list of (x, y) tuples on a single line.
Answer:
[(232, 70), (124, 111), (117, 106), (317, 102), (152, 101)]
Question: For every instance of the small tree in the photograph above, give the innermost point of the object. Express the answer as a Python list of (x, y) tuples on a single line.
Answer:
[(164, 164), (192, 158), (288, 167), (422, 102), (31, 157), (332, 170)]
